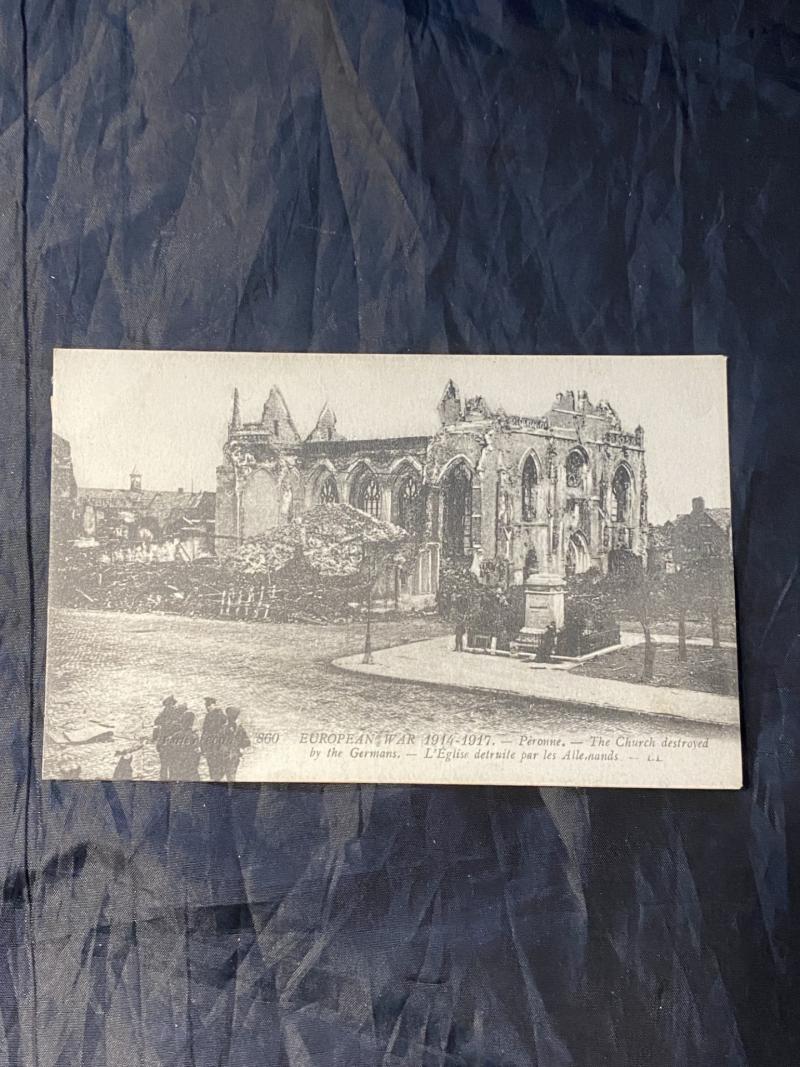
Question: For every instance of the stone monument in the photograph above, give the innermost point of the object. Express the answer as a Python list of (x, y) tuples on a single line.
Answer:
[(544, 604)]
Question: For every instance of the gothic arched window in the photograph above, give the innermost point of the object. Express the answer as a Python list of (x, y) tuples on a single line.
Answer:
[(457, 512), (369, 496), (530, 480), (621, 488), (576, 469), (328, 493), (407, 502)]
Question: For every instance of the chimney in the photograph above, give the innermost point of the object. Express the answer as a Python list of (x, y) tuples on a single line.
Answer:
[(698, 505)]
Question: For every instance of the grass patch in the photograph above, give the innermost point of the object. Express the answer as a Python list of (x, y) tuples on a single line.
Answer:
[(705, 670)]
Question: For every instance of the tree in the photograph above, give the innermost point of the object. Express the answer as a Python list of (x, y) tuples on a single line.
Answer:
[(589, 608), (710, 581), (458, 589), (681, 599), (678, 592), (488, 604), (627, 591)]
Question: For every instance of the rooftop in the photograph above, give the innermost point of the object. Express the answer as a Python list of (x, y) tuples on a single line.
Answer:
[(163, 505)]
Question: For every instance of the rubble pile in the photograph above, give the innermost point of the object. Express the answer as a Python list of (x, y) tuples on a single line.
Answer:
[(332, 538), (316, 568), (186, 588), (294, 593)]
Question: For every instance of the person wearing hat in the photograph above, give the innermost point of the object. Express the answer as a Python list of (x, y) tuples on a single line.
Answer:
[(213, 740), (236, 741), (165, 724), (181, 746)]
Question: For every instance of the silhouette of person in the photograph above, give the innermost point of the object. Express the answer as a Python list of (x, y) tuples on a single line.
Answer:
[(547, 644), (164, 726), (236, 741), (124, 768), (184, 747), (213, 740), (460, 629)]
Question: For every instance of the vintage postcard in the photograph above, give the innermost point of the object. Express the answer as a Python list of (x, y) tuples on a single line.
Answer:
[(294, 567)]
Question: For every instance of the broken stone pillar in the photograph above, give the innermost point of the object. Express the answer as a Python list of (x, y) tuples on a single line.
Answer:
[(544, 603)]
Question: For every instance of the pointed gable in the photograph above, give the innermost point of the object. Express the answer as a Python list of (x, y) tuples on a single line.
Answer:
[(325, 428), (277, 421), (450, 409)]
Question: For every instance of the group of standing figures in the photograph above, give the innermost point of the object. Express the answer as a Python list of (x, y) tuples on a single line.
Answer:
[(220, 742)]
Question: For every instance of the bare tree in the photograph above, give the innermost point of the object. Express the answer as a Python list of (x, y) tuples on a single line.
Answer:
[(628, 591)]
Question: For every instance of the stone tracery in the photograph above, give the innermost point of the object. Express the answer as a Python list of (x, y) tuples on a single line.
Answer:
[(503, 486)]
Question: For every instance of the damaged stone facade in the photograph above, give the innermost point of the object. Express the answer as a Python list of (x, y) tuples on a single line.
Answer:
[(551, 494), (269, 474), (63, 492), (141, 525), (131, 525)]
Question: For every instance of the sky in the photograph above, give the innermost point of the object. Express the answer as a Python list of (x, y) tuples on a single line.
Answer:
[(166, 413)]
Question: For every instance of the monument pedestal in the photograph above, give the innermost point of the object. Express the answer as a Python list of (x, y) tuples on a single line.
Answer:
[(544, 604)]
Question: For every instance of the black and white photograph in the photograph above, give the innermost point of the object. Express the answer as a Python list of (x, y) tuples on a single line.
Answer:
[(391, 568)]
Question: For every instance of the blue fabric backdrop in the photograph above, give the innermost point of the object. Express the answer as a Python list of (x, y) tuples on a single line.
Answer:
[(375, 175)]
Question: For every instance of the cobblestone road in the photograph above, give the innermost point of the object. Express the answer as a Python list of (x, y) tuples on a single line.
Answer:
[(116, 669)]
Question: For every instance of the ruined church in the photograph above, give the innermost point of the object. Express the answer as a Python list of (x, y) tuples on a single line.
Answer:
[(552, 494)]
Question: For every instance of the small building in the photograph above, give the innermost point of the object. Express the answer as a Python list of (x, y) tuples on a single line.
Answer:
[(702, 533), (139, 524)]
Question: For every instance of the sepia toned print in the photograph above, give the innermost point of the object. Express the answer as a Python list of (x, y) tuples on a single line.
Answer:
[(453, 569)]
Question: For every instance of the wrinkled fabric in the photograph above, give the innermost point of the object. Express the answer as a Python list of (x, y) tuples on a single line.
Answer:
[(384, 176)]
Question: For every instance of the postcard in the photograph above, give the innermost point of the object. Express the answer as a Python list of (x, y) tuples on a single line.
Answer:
[(305, 567)]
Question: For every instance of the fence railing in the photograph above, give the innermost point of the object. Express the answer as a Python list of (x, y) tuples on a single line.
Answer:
[(573, 644), (253, 603)]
